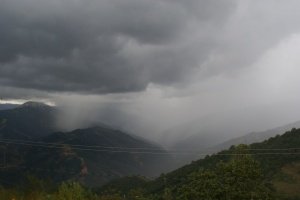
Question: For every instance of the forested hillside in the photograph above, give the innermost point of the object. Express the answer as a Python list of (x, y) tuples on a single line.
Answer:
[(266, 170), (92, 156)]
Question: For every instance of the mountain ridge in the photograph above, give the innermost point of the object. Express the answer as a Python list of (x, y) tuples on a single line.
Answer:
[(91, 155), (255, 137), (28, 121), (278, 158)]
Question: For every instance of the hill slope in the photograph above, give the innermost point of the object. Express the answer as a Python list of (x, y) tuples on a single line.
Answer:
[(31, 144), (6, 106), (28, 121), (256, 136), (279, 158), (91, 156), (99, 154), (202, 143)]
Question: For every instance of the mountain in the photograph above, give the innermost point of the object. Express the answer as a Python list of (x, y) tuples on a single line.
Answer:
[(196, 146), (255, 137), (6, 106), (277, 157), (205, 143), (31, 144), (30, 120), (92, 156)]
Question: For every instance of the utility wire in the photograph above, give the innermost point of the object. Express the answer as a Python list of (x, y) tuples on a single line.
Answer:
[(122, 149), (137, 148), (63, 146), (79, 145), (92, 149)]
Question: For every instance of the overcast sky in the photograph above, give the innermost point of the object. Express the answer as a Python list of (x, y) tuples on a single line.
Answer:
[(150, 66)]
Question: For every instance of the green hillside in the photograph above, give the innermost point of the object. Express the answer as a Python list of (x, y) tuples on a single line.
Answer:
[(30, 144), (276, 169), (81, 155), (38, 169), (261, 171)]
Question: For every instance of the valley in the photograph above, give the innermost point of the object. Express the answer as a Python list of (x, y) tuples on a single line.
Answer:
[(108, 159)]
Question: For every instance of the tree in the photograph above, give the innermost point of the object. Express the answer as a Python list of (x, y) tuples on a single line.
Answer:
[(240, 178), (70, 191)]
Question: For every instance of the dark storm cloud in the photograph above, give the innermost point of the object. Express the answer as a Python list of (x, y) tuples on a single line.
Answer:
[(223, 66), (101, 46)]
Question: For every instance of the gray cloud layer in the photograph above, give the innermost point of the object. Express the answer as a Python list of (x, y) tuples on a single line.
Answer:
[(215, 63), (103, 46), (123, 45)]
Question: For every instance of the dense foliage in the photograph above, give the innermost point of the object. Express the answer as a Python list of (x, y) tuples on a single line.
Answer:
[(267, 160), (258, 172), (240, 178)]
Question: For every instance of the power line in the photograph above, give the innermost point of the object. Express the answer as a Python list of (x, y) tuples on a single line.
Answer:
[(87, 149), (94, 147), (79, 145), (141, 148), (123, 149), (60, 146), (63, 146)]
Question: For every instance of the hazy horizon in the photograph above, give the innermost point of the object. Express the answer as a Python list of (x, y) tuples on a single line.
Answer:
[(163, 70)]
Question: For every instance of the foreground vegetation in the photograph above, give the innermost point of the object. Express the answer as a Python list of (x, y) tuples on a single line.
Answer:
[(240, 178), (262, 171)]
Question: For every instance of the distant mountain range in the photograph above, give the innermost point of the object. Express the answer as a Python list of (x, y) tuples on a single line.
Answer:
[(31, 144), (201, 144), (5, 106), (278, 157), (255, 137), (30, 120)]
